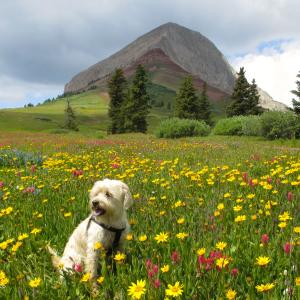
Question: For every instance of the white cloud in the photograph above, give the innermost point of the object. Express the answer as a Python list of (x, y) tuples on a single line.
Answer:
[(45, 43), (274, 71), (16, 93)]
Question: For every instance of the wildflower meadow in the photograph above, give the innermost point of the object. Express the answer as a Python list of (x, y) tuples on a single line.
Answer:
[(213, 218)]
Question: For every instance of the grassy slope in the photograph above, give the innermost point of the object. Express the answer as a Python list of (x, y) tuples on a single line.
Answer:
[(90, 108)]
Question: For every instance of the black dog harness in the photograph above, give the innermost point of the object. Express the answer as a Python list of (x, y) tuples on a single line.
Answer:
[(117, 231)]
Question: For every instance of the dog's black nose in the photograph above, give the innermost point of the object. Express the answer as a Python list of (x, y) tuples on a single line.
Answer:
[(94, 202)]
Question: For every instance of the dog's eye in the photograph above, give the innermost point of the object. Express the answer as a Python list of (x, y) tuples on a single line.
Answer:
[(108, 194)]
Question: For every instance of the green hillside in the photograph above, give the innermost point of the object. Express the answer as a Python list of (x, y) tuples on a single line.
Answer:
[(90, 108), (91, 111)]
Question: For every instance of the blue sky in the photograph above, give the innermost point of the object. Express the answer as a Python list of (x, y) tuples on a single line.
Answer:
[(45, 43)]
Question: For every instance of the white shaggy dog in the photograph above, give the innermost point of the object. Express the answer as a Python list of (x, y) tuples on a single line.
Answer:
[(107, 224)]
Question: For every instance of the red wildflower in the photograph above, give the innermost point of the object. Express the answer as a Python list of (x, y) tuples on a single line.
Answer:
[(287, 248), (234, 272), (77, 173), (148, 264), (265, 239), (175, 257), (156, 283), (77, 268), (29, 189), (115, 166), (155, 269), (245, 177)]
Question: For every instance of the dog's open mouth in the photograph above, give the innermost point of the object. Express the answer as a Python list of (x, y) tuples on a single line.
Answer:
[(98, 211)]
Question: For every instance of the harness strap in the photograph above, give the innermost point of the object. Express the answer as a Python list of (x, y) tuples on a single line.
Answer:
[(117, 231)]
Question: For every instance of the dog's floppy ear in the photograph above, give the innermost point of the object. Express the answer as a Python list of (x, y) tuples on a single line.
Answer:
[(127, 196)]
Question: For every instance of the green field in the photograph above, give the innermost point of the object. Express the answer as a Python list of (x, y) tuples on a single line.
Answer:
[(213, 217), (90, 109)]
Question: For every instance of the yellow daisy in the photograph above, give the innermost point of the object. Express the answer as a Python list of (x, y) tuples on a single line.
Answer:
[(162, 237), (137, 290), (174, 290), (35, 282)]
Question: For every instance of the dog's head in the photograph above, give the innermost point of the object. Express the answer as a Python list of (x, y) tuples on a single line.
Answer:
[(110, 197)]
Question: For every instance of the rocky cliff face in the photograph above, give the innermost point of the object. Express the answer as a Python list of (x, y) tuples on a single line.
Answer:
[(184, 50)]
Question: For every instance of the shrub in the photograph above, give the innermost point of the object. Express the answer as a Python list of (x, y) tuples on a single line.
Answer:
[(229, 126), (239, 125), (251, 126), (175, 128), (277, 124)]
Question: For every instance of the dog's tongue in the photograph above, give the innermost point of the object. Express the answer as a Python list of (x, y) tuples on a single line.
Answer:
[(99, 212)]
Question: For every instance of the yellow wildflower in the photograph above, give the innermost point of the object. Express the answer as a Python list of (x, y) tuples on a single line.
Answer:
[(35, 282), (16, 246), (174, 290), (282, 225), (23, 236), (129, 237), (222, 262), (119, 257), (221, 245), (263, 260), (220, 206), (100, 279), (162, 237), (137, 290), (297, 229), (3, 279), (97, 246), (239, 219), (264, 287), (231, 294), (180, 221), (201, 251), (182, 235), (165, 268), (143, 238), (35, 230), (86, 277)]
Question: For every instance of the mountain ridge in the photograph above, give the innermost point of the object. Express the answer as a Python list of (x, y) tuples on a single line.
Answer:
[(189, 50)]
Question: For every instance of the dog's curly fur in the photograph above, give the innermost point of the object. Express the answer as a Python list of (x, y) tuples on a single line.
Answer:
[(109, 200)]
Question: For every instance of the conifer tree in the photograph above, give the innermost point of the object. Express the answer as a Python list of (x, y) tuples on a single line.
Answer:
[(253, 100), (70, 118), (240, 96), (187, 104), (117, 91), (204, 106), (296, 103), (136, 108)]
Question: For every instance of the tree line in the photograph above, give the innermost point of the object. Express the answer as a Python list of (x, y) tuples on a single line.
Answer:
[(129, 102)]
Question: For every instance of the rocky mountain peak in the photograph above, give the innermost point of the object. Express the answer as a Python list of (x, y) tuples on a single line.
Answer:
[(189, 50)]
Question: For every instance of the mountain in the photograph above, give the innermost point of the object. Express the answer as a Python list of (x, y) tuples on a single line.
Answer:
[(169, 52)]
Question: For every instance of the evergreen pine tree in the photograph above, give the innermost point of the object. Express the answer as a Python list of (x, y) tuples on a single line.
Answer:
[(117, 91), (70, 118), (253, 100), (187, 104), (204, 106), (296, 103), (137, 105), (240, 96)]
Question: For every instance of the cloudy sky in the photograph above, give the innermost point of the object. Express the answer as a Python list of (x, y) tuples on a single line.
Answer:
[(43, 44)]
